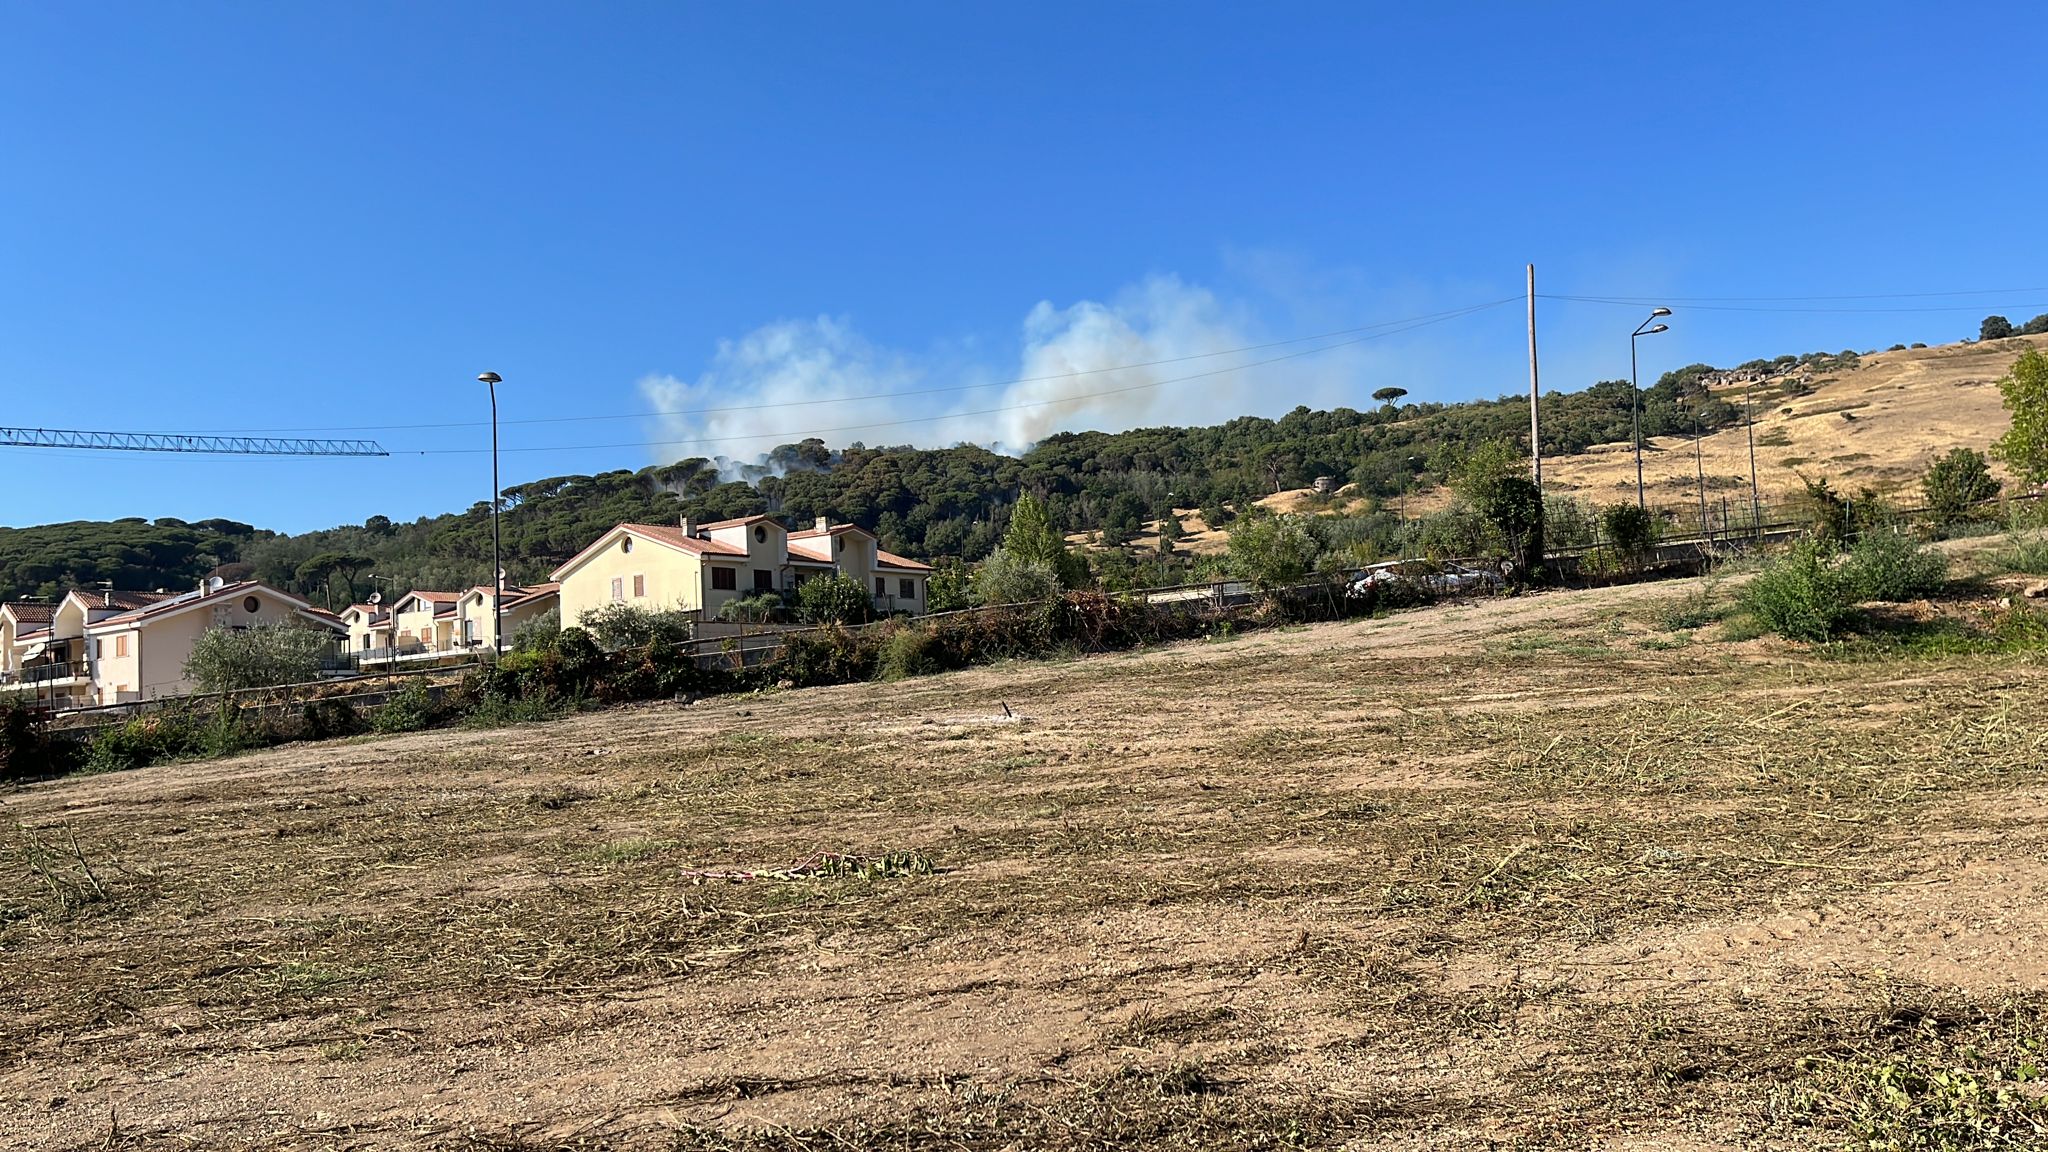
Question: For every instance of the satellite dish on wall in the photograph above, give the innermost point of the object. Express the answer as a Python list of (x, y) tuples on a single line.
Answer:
[(376, 598)]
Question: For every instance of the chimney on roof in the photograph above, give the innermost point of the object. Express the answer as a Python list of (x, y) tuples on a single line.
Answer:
[(689, 527), (824, 524)]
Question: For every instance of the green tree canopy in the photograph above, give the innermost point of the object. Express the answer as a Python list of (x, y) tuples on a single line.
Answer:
[(2024, 447), (1955, 482), (225, 659)]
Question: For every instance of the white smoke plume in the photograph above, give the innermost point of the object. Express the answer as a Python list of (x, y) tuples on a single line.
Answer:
[(1144, 359)]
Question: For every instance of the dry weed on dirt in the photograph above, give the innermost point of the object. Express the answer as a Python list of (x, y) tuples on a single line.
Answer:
[(1527, 873)]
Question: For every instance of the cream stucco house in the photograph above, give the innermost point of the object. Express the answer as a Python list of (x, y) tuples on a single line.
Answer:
[(140, 654), (427, 626), (46, 647), (473, 623), (701, 568)]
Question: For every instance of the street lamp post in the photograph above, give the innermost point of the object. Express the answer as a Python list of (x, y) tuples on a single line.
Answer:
[(1636, 390), (1749, 426), (491, 380)]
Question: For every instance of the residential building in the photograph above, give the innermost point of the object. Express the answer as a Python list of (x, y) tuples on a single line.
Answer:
[(140, 653), (369, 628), (427, 626), (473, 627), (47, 647), (701, 568), (423, 621)]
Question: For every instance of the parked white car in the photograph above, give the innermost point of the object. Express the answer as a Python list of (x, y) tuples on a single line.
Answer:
[(1446, 579)]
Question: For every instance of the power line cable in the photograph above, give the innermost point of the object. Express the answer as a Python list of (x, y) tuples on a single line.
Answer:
[(1800, 299), (789, 436), (1651, 301), (1401, 325)]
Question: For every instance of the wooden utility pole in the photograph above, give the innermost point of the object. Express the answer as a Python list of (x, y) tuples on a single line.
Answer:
[(1535, 421)]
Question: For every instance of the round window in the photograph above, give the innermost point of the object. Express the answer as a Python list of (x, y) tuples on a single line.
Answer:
[(626, 545), (251, 604), (760, 534)]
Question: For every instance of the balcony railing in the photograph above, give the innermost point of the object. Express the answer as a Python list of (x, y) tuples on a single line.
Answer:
[(45, 673)]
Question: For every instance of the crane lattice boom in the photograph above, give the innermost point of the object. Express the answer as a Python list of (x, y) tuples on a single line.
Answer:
[(176, 442)]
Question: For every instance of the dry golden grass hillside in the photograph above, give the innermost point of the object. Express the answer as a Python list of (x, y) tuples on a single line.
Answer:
[(1879, 424)]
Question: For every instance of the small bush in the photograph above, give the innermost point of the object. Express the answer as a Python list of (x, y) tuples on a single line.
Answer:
[(173, 733), (1008, 578), (26, 750), (909, 651), (1956, 483), (760, 608), (834, 600), (538, 634), (616, 626), (1803, 594), (1892, 567), (1631, 530), (409, 709)]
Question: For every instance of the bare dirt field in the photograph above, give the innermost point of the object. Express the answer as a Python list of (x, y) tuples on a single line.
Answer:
[(1555, 871)]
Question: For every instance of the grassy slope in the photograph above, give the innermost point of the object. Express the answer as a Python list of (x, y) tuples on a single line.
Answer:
[(1535, 870)]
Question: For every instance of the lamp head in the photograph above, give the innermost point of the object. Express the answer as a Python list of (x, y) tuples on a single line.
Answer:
[(1654, 312), (490, 378), (1657, 329)]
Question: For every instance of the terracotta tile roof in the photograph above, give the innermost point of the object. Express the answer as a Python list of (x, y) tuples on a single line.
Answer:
[(164, 603), (672, 535), (744, 520), (891, 560), (834, 530), (436, 597), (125, 601), (31, 611)]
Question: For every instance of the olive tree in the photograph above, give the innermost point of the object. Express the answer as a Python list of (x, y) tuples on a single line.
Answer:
[(265, 656)]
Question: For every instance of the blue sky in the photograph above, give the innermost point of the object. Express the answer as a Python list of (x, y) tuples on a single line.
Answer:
[(228, 217)]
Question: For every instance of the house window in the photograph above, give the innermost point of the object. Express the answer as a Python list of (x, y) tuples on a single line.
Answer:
[(618, 589), (908, 588), (120, 646), (725, 579), (881, 586), (760, 533), (764, 580), (366, 643), (639, 586), (626, 545), (250, 604)]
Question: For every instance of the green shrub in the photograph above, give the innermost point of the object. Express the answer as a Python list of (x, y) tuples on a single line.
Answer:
[(1955, 483), (835, 599), (1008, 577), (409, 709), (827, 656), (1803, 594), (538, 634), (26, 750), (909, 651), (616, 626), (1631, 530), (177, 732), (1892, 567), (1272, 551), (760, 608)]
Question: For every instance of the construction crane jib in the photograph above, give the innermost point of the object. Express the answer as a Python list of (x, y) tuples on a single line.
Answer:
[(176, 442)]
